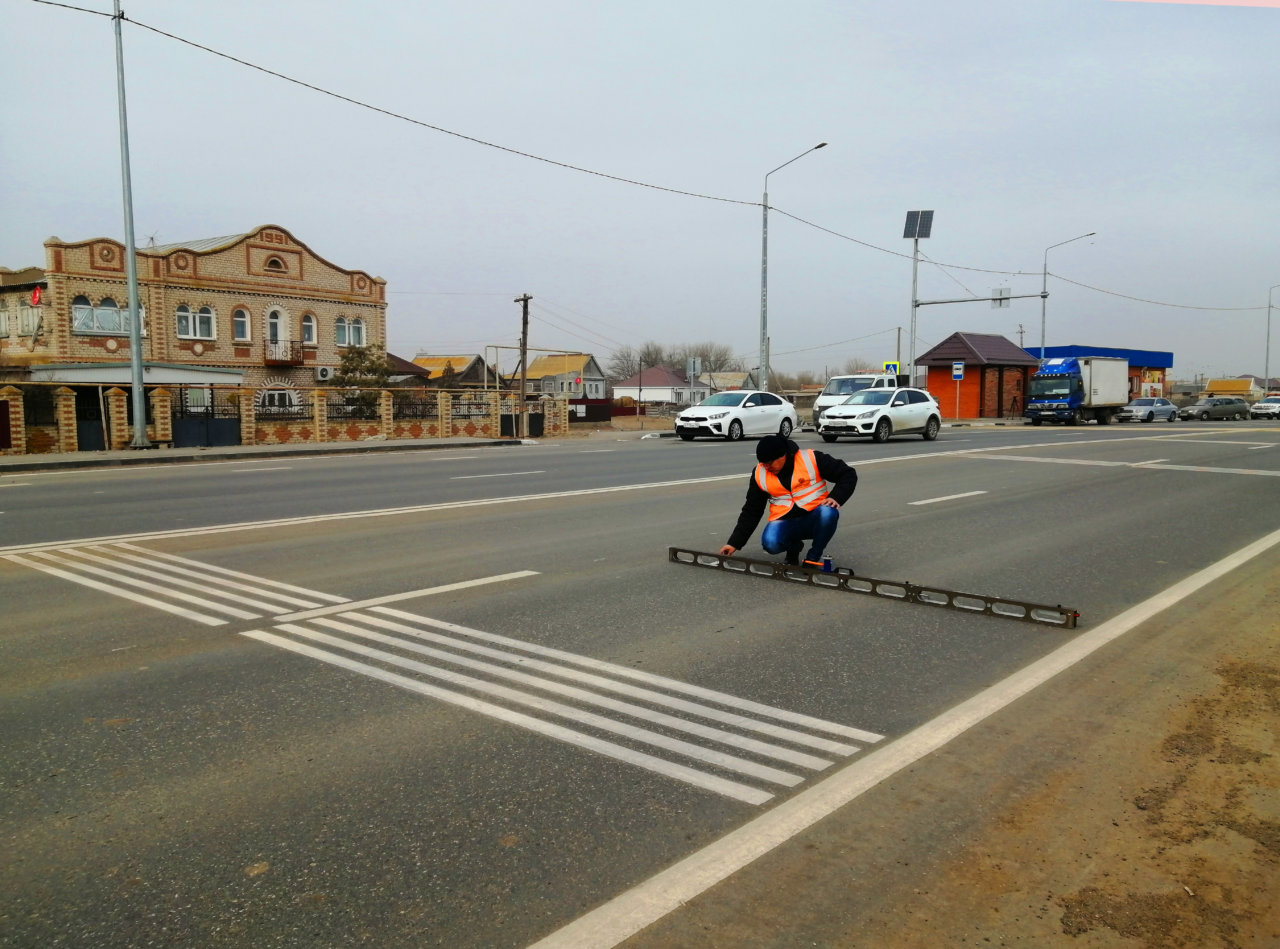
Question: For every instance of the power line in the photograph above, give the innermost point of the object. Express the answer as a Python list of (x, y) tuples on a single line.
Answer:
[(599, 174)]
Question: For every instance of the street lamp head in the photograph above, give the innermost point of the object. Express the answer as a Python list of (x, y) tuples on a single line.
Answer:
[(819, 145)]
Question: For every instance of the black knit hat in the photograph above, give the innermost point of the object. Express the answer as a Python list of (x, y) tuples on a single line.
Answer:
[(771, 448)]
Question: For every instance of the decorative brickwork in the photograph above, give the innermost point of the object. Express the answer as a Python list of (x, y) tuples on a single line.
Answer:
[(15, 420), (64, 410)]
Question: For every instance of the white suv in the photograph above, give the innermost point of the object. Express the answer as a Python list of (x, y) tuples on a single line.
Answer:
[(882, 413), (1267, 408)]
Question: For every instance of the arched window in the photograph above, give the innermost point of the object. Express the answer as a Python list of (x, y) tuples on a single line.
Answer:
[(309, 328), (274, 323), (81, 315), (197, 325), (240, 326), (108, 318), (275, 265), (340, 332), (355, 333)]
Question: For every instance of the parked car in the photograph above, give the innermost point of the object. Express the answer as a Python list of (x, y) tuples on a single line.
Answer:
[(882, 413), (1267, 408), (1215, 407), (731, 415), (1148, 410)]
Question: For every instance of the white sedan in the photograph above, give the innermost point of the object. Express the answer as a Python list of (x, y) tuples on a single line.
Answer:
[(882, 413), (736, 413)]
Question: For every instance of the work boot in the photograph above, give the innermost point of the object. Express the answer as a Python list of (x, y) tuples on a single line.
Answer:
[(793, 555)]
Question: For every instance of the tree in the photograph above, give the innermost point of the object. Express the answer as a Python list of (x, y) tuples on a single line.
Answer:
[(622, 364), (362, 368)]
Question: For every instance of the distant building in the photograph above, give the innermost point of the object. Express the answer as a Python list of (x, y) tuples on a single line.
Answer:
[(995, 372), (570, 375), (1246, 388), (251, 309), (659, 385), (467, 371), (720, 381)]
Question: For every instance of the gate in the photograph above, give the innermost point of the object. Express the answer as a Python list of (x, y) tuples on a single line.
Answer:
[(205, 418), (90, 419)]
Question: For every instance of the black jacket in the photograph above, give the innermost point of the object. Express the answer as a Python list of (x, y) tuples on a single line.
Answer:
[(842, 478)]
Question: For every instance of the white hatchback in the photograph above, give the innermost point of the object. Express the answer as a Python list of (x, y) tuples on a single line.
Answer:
[(736, 413), (882, 413)]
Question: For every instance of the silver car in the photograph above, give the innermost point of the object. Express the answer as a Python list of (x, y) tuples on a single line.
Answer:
[(1148, 410)]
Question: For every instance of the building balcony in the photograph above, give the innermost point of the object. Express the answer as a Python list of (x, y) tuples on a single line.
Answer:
[(284, 353)]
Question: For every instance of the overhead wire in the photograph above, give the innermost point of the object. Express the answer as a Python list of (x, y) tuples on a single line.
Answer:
[(622, 180)]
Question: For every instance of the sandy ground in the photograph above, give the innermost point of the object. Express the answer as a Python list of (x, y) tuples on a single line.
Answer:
[(1132, 803)]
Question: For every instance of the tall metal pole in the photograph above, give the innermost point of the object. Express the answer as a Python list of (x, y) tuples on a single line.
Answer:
[(1044, 285), (915, 307), (1266, 359), (140, 439), (763, 380), (524, 362)]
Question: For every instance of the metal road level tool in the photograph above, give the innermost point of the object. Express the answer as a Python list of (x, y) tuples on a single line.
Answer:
[(844, 579)]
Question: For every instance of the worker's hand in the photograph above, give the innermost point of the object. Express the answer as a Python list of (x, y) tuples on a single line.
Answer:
[(728, 551), (831, 502)]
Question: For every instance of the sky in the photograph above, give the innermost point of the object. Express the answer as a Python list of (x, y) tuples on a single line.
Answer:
[(609, 159)]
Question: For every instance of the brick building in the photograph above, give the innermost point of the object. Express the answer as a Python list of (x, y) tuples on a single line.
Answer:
[(249, 309)]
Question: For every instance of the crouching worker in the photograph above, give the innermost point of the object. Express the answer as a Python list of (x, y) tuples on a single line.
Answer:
[(803, 491)]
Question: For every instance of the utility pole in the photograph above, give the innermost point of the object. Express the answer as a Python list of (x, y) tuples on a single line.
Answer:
[(524, 367)]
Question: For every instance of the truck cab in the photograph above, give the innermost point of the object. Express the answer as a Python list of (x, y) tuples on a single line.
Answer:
[(1075, 389)]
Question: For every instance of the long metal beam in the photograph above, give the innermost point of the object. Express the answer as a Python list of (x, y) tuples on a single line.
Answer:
[(846, 581)]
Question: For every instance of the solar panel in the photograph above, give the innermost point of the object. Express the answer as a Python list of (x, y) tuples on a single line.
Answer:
[(919, 224)]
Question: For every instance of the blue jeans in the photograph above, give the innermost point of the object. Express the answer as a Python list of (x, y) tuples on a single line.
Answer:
[(789, 533)]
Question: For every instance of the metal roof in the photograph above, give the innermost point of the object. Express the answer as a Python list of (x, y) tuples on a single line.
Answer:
[(977, 349), (1143, 358)]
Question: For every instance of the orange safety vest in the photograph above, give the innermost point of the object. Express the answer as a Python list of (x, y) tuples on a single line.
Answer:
[(808, 489)]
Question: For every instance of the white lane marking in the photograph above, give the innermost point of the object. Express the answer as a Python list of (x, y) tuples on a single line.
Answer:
[(949, 497), (627, 914), (1140, 464), (116, 591), (208, 577), (595, 451), (671, 685), (583, 695), (552, 707), (121, 567), (15, 484), (223, 571), (411, 594), (357, 515), (273, 468), (117, 578), (497, 474), (1262, 472), (732, 789)]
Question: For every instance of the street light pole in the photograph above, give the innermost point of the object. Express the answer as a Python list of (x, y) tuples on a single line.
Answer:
[(1266, 358), (763, 381), (1044, 286)]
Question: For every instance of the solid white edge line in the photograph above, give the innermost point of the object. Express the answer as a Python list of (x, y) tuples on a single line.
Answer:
[(629, 912)]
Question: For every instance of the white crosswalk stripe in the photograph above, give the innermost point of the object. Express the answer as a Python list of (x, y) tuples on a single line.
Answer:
[(719, 742)]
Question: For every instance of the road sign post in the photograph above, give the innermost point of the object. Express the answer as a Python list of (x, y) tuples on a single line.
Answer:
[(957, 373)]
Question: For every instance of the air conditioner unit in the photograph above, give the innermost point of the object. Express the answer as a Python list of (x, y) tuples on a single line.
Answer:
[(324, 373)]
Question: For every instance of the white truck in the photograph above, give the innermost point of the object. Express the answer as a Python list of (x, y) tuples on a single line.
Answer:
[(1071, 390), (839, 388)]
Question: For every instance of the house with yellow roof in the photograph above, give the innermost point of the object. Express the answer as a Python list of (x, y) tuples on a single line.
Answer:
[(466, 371), (568, 375), (1245, 388)]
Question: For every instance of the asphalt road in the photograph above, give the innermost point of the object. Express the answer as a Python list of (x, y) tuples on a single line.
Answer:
[(462, 698)]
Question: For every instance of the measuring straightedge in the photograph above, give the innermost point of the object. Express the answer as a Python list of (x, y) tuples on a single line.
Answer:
[(844, 579)]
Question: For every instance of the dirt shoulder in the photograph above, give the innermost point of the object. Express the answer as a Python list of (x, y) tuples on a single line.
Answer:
[(1132, 802)]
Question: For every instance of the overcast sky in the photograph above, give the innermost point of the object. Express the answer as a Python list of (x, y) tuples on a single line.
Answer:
[(1020, 123)]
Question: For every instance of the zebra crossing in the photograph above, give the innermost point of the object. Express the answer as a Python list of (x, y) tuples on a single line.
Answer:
[(722, 743)]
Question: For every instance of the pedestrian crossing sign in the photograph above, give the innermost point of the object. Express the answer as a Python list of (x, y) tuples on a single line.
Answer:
[(891, 368)]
